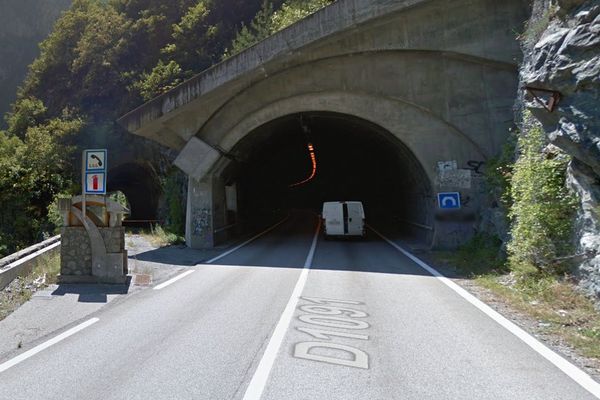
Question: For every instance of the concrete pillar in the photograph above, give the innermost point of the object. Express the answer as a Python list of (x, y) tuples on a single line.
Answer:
[(206, 212)]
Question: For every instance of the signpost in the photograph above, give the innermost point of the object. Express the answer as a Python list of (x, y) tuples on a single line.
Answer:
[(449, 200), (93, 177)]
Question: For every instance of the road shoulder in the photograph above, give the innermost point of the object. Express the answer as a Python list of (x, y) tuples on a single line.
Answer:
[(524, 321)]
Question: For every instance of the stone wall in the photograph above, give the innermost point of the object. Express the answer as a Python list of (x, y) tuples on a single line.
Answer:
[(76, 251), (562, 53)]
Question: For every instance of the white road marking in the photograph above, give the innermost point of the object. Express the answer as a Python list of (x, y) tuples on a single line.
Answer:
[(173, 280), (579, 376), (259, 380), (30, 353), (183, 275), (212, 260)]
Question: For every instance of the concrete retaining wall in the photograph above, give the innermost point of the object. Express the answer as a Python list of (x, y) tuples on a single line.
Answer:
[(23, 262)]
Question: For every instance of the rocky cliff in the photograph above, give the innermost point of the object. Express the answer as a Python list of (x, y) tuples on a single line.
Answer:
[(562, 71), (23, 24)]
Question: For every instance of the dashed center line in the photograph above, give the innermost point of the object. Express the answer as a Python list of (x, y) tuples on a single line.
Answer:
[(173, 280), (212, 260), (30, 353)]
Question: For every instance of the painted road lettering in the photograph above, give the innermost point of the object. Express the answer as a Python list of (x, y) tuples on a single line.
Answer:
[(324, 334), (333, 322), (328, 313), (318, 300), (328, 310)]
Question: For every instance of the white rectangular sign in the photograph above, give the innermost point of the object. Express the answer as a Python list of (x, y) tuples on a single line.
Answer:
[(95, 160), (458, 178), (95, 183), (447, 165)]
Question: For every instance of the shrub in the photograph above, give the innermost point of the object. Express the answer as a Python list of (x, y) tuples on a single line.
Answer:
[(542, 210), (175, 201)]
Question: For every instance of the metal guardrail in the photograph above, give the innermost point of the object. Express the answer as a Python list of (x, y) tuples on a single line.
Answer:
[(22, 262), (128, 223), (224, 228), (418, 225)]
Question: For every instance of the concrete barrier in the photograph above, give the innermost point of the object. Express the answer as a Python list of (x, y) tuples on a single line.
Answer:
[(22, 263)]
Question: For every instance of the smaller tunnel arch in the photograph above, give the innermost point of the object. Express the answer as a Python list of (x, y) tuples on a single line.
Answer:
[(356, 160), (141, 185)]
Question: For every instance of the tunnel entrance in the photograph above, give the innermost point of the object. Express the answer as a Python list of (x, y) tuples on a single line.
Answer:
[(354, 159), (141, 186)]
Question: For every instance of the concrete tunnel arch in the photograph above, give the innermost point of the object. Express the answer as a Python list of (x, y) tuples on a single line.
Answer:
[(422, 136)]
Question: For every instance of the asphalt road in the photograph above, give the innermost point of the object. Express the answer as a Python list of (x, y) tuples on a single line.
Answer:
[(366, 322)]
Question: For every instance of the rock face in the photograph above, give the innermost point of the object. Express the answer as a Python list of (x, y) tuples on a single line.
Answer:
[(584, 182), (566, 59), (23, 24)]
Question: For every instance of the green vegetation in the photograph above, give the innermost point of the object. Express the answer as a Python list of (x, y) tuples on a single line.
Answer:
[(499, 172), (174, 197), (536, 27), (270, 20), (540, 208), (542, 211), (104, 58), (35, 160), (557, 306), (161, 237)]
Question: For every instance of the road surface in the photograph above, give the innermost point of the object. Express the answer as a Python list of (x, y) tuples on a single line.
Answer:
[(364, 322)]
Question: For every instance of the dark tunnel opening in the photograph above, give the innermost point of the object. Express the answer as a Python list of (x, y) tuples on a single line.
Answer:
[(355, 160), (140, 184)]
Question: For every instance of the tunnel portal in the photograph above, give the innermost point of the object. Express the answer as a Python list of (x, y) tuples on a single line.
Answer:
[(402, 107), (355, 160)]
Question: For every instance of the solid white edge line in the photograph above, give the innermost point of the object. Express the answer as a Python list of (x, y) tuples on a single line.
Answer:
[(212, 260), (30, 353), (261, 375), (173, 280), (574, 372)]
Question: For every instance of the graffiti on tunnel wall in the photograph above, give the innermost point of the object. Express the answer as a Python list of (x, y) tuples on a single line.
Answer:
[(201, 221)]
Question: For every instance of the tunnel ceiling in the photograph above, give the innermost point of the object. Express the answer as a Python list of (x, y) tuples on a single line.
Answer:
[(356, 160)]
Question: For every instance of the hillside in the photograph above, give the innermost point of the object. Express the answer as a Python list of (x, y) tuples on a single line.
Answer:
[(23, 24)]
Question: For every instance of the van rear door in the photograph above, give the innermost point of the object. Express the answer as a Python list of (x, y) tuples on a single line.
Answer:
[(355, 221), (333, 218)]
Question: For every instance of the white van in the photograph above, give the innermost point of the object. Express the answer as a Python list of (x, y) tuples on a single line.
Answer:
[(344, 218)]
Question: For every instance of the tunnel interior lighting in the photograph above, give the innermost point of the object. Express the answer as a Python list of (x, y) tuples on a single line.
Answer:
[(313, 159)]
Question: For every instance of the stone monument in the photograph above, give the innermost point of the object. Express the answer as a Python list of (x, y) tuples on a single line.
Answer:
[(92, 246)]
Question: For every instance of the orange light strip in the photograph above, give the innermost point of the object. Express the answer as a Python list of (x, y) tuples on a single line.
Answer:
[(313, 158)]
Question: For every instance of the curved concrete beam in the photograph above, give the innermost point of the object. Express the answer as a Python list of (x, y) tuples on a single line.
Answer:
[(466, 26), (405, 121), (96, 241), (289, 72)]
